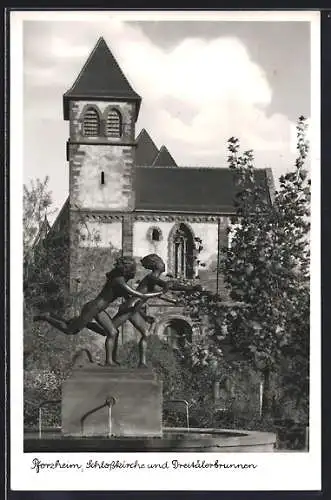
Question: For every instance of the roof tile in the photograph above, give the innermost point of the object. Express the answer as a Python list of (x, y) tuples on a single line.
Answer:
[(164, 159), (100, 78), (146, 150), (188, 189)]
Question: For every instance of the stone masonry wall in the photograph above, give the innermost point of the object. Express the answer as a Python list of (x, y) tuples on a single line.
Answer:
[(94, 246), (87, 162), (126, 109), (210, 233), (90, 156), (96, 242), (58, 252)]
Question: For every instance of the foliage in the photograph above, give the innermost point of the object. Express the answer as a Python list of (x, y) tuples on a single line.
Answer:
[(184, 379), (178, 381), (48, 356), (266, 272), (41, 386), (43, 276), (197, 262), (163, 359), (264, 329), (37, 201), (46, 282), (267, 266)]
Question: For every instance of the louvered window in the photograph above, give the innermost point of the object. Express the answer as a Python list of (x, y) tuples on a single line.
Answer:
[(114, 124), (91, 123)]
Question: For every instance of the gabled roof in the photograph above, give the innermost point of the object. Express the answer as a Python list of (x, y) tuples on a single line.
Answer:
[(146, 150), (188, 189), (164, 159), (62, 217), (101, 78), (43, 231)]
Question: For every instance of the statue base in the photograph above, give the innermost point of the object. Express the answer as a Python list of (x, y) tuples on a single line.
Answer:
[(112, 401)]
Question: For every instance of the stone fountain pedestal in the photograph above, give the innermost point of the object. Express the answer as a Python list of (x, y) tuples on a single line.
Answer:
[(106, 409), (112, 401)]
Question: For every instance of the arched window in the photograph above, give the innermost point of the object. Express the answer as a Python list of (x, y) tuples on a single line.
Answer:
[(113, 126), (91, 123), (181, 245)]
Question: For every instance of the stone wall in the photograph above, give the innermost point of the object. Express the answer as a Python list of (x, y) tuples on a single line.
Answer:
[(94, 246), (87, 162), (212, 234), (97, 240), (58, 255), (94, 232), (142, 242), (127, 235), (102, 224), (126, 109), (89, 157)]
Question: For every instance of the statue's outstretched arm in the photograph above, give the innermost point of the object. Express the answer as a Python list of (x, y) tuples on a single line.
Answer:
[(135, 293), (176, 286), (160, 282)]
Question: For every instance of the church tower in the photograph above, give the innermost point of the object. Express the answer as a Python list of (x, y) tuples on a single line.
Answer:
[(102, 109)]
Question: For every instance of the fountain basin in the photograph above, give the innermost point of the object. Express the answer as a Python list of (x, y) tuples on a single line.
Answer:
[(173, 439)]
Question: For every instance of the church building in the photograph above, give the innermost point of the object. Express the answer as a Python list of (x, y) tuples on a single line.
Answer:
[(129, 196)]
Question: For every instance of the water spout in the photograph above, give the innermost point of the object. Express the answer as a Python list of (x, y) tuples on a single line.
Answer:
[(109, 402)]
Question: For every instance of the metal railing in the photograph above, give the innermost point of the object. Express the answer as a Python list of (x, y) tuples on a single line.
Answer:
[(185, 403), (40, 408)]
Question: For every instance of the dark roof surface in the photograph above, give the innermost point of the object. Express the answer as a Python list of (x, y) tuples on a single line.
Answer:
[(164, 159), (43, 231), (188, 189), (100, 78), (146, 150)]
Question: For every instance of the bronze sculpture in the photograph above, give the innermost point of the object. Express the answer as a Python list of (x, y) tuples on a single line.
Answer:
[(95, 317), (93, 314), (133, 309)]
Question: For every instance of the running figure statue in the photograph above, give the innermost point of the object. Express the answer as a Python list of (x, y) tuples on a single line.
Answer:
[(93, 314)]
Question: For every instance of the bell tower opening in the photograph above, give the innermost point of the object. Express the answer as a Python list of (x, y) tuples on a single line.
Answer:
[(102, 109)]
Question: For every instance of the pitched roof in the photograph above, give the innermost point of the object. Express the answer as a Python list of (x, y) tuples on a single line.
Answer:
[(188, 189), (100, 78), (43, 231), (164, 159), (146, 150)]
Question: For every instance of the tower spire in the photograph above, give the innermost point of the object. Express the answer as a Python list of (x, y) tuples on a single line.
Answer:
[(101, 78)]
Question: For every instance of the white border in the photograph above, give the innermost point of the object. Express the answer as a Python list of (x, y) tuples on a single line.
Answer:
[(278, 471)]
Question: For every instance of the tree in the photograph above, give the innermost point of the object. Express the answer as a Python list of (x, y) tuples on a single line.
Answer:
[(37, 202), (46, 285), (266, 272), (267, 266), (43, 248)]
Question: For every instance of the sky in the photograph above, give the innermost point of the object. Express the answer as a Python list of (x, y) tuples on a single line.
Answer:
[(201, 82)]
